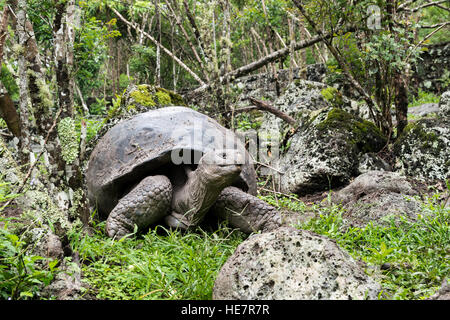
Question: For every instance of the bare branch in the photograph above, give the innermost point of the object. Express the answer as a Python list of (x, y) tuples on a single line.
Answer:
[(405, 4), (255, 65), (195, 29), (345, 68), (437, 25), (186, 36), (425, 5), (167, 51), (425, 38), (261, 105)]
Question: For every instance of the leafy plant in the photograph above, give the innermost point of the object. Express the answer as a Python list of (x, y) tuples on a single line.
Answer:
[(22, 275), (98, 107)]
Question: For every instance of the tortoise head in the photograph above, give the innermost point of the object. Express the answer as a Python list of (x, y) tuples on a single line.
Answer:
[(216, 170), (221, 167)]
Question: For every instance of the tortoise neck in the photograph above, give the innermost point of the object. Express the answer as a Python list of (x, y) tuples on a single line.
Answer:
[(195, 198)]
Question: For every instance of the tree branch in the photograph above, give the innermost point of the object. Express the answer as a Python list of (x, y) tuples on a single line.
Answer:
[(167, 51), (195, 29), (437, 25), (261, 105), (371, 104), (428, 4), (425, 38), (186, 36), (244, 70)]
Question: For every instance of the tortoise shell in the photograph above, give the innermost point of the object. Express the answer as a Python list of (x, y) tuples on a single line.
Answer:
[(157, 142)]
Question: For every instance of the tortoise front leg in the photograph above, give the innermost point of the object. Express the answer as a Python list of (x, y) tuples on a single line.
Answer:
[(144, 205), (245, 212)]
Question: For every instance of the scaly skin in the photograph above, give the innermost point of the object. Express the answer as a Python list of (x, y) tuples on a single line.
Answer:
[(146, 204), (246, 212), (190, 203), (206, 188)]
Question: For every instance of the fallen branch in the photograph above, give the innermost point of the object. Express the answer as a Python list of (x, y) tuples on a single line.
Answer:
[(264, 106), (244, 109)]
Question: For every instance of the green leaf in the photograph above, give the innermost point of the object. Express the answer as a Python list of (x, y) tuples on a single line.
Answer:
[(26, 294)]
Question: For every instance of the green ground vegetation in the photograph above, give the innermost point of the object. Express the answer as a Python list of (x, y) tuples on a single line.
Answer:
[(409, 259)]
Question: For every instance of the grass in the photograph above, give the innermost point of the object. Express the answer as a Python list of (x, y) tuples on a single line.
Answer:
[(423, 97), (154, 266), (415, 255), (409, 259)]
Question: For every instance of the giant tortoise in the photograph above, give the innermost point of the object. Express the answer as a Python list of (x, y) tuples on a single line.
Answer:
[(174, 164)]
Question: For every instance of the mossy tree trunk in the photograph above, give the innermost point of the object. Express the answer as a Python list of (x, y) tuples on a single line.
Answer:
[(401, 103), (25, 143), (53, 130), (67, 146)]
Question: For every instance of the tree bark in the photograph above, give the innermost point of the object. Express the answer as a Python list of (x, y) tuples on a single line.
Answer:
[(25, 140), (7, 109), (61, 53), (401, 103), (73, 177), (9, 114), (158, 50), (3, 31)]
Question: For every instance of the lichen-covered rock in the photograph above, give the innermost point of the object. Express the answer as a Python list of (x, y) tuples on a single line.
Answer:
[(302, 97), (422, 151), (444, 104), (379, 208), (443, 293), (377, 196), (266, 86), (292, 264), (325, 151), (45, 243), (68, 283), (374, 181), (422, 110), (142, 98), (371, 161)]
